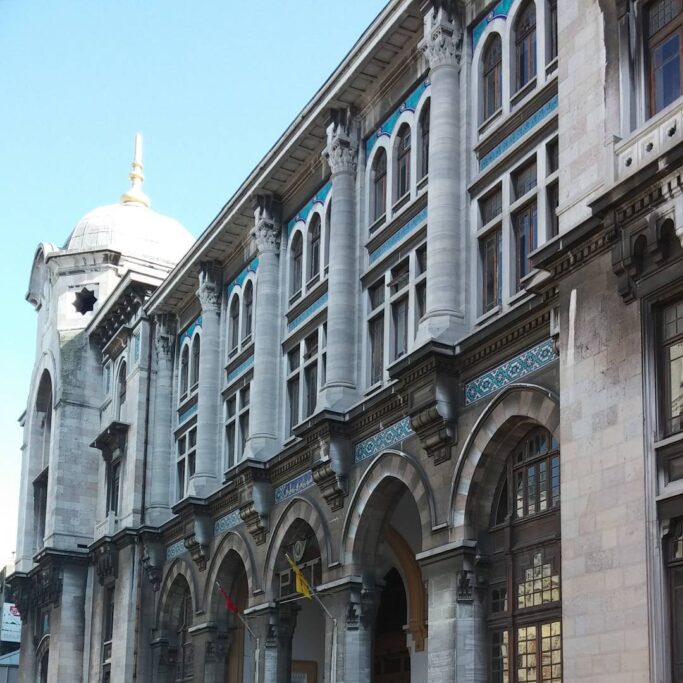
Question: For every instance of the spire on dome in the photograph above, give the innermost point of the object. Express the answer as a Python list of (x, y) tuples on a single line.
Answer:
[(135, 195)]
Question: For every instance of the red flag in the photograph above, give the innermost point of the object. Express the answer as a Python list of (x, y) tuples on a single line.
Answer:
[(229, 604)]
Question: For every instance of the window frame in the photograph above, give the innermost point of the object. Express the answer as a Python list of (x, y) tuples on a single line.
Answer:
[(525, 45), (186, 460), (296, 266), (379, 174), (234, 421), (492, 73), (656, 41), (403, 159)]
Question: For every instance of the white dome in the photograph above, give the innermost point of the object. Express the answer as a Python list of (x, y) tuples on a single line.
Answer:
[(134, 230)]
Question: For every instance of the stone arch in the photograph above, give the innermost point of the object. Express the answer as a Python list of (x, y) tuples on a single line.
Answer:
[(514, 409), (388, 465), (179, 568), (232, 542), (306, 511)]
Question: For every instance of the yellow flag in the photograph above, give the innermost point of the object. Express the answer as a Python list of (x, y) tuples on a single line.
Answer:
[(301, 585)]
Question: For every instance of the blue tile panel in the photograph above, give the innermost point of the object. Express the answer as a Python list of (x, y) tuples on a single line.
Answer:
[(511, 371), (175, 550), (240, 369), (318, 200), (388, 125), (293, 487), (188, 413), (500, 11), (239, 280), (415, 222), (548, 108), (385, 439), (304, 315), (232, 519), (189, 330)]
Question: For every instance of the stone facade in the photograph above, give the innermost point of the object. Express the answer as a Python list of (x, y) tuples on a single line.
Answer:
[(429, 352)]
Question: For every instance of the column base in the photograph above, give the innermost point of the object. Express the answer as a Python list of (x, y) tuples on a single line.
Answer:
[(338, 398), (447, 328), (260, 448)]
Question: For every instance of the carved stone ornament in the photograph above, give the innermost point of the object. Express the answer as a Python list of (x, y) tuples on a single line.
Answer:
[(342, 142), (46, 588), (436, 431), (106, 561), (360, 610), (209, 291), (266, 231), (257, 522), (164, 334), (198, 550), (333, 486), (153, 557), (465, 589), (442, 44)]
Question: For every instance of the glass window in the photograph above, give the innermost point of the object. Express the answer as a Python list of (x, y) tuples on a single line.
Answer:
[(379, 183), (234, 325), (376, 334), (296, 274), (665, 38), (551, 46), (314, 248), (184, 371), (490, 247), (553, 204), (672, 367), (248, 314), (403, 162), (122, 390), (194, 367), (524, 179), (492, 76), (424, 140), (186, 451), (525, 224), (675, 561), (525, 45), (236, 413), (113, 486), (399, 313), (491, 206)]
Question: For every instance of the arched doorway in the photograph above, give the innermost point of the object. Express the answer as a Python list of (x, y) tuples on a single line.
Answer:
[(392, 658), (177, 622)]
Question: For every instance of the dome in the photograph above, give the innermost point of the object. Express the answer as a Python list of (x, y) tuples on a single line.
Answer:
[(134, 230), (131, 227)]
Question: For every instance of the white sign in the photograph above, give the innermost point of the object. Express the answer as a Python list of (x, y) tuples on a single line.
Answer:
[(11, 624)]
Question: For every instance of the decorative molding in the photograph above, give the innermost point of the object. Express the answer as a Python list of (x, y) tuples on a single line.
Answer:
[(500, 11), (106, 559), (334, 486), (341, 152), (305, 315), (233, 374), (266, 231), (209, 291), (317, 201), (257, 522), (539, 115), (187, 413), (442, 43), (175, 550), (251, 267), (511, 371), (386, 128), (188, 331), (293, 487), (227, 522), (392, 435), (417, 221)]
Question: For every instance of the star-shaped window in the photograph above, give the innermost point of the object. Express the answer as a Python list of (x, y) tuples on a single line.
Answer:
[(85, 301)]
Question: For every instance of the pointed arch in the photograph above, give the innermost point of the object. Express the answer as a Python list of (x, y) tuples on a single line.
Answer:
[(515, 407), (178, 568), (306, 511), (388, 465)]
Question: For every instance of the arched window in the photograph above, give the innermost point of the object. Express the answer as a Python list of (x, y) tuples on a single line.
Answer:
[(296, 273), (194, 368), (248, 311), (121, 389), (525, 45), (234, 324), (403, 162), (379, 185), (492, 76), (664, 52), (184, 370), (524, 599), (424, 140), (314, 248)]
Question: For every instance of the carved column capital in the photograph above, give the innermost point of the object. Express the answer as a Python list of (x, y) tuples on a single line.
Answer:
[(266, 231), (341, 152), (209, 291), (442, 43), (164, 334)]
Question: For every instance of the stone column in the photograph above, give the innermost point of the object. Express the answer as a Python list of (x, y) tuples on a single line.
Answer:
[(340, 390), (263, 442), (210, 653), (205, 478), (160, 466), (274, 627), (446, 230)]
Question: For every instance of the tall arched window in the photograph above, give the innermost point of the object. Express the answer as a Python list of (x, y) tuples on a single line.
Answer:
[(492, 76), (525, 45), (379, 185), (296, 273), (524, 600), (194, 368), (184, 371), (248, 311), (424, 140), (121, 390), (403, 161), (234, 324), (314, 248)]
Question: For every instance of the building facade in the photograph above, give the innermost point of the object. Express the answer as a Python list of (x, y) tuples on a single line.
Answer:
[(431, 349)]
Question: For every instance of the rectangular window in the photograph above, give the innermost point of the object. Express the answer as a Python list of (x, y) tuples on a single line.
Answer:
[(399, 314), (553, 156), (376, 334), (525, 223), (524, 179), (553, 204), (186, 451), (293, 398), (665, 43), (672, 367), (491, 206), (113, 486), (236, 414), (552, 30), (490, 247), (500, 657), (108, 625)]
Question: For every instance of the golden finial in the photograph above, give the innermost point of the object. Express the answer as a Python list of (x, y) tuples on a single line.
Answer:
[(135, 195)]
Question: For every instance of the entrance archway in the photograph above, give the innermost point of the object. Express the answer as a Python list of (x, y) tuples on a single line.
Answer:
[(392, 657)]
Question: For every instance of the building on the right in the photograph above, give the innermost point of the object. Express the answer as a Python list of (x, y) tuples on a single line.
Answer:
[(615, 271)]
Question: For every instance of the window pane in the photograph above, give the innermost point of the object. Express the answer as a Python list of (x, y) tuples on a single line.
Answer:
[(491, 263), (524, 179), (293, 394), (667, 72), (376, 330), (311, 378), (491, 206), (500, 660), (400, 317), (675, 386)]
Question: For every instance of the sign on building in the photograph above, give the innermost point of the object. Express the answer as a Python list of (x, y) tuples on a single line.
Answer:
[(10, 632)]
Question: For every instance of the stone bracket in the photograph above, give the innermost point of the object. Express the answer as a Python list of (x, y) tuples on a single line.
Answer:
[(197, 529), (153, 559), (106, 558), (255, 498)]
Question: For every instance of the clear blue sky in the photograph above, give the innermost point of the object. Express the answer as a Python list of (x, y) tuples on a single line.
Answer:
[(210, 84)]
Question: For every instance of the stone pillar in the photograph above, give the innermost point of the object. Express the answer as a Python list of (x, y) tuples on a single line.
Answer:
[(263, 442), (446, 230), (340, 391), (160, 467), (205, 478), (210, 653), (161, 667), (274, 628)]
